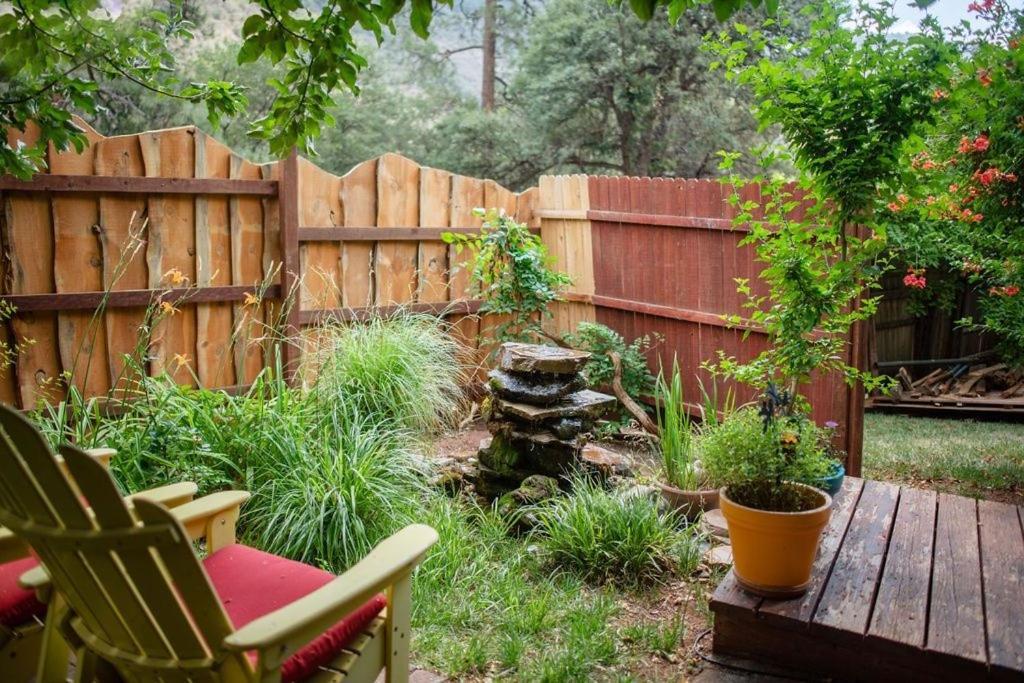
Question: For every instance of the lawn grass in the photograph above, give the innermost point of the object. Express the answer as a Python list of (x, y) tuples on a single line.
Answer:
[(492, 605), (977, 459)]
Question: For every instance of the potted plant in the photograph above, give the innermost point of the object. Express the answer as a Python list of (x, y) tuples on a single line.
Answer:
[(684, 486), (833, 479), (764, 459)]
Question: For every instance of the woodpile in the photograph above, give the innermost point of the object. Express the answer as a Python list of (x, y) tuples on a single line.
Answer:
[(988, 381)]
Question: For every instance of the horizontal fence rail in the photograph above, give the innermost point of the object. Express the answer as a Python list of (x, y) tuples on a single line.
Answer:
[(139, 185)]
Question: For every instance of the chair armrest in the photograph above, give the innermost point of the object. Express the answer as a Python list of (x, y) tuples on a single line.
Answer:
[(171, 495), (212, 517), (102, 455), (289, 628), (12, 547)]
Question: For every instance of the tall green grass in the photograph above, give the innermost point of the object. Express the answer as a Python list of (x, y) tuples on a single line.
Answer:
[(402, 371), (605, 537), (327, 463)]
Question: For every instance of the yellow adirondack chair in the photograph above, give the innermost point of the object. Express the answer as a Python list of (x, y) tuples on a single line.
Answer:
[(22, 633), (143, 607)]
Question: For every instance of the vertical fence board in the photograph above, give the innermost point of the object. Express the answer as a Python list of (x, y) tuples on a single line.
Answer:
[(398, 205), (319, 206), (432, 257), (246, 216), (171, 248), (214, 359), (123, 231), (467, 194), (29, 237), (78, 265), (9, 393), (359, 197)]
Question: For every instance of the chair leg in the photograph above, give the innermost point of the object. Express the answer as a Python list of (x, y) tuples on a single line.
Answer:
[(19, 653), (398, 630), (54, 653)]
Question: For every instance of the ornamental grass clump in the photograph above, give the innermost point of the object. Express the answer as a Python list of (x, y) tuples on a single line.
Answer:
[(405, 372), (606, 537), (347, 484)]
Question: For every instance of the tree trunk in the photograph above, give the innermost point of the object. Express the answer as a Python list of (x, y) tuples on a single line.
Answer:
[(489, 42)]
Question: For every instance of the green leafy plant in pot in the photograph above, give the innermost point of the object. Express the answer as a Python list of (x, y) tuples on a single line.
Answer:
[(685, 486), (848, 100)]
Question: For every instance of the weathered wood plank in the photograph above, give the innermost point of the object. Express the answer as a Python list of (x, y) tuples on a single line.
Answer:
[(8, 369), (956, 621), (319, 205), (467, 194), (849, 594), (78, 266), (901, 607), (123, 229), (359, 197), (214, 360), (71, 183), (801, 610), (28, 235), (246, 269), (398, 205), (171, 249), (435, 212), (1002, 564)]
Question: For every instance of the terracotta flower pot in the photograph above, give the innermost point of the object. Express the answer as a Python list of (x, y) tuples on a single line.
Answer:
[(773, 552), (689, 504)]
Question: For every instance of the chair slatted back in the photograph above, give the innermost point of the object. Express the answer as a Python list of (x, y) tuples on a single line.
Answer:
[(138, 591)]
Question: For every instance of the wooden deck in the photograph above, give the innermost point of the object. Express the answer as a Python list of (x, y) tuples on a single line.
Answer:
[(907, 584)]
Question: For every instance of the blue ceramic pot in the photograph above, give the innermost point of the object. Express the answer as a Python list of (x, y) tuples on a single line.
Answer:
[(831, 483)]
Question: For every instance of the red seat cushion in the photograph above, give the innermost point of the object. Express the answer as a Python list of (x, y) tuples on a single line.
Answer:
[(252, 583), (17, 605)]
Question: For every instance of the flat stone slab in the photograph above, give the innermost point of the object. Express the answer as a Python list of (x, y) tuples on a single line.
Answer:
[(551, 360), (719, 556), (586, 403), (533, 388), (606, 461), (713, 522)]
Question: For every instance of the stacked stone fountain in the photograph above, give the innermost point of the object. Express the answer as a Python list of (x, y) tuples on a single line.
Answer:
[(540, 415)]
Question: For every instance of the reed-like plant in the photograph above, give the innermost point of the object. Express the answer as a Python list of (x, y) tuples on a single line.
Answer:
[(676, 443)]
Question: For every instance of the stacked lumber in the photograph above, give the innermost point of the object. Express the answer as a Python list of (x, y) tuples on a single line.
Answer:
[(986, 381)]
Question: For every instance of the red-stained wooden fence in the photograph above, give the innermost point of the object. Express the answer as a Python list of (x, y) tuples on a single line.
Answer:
[(666, 257)]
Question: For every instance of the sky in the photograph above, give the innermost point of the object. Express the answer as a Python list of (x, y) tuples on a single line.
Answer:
[(948, 12)]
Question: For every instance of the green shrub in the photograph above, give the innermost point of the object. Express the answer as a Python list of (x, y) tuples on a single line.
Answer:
[(603, 536), (405, 372), (601, 340), (754, 459)]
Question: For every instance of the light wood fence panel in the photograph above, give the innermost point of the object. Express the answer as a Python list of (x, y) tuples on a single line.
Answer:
[(174, 220)]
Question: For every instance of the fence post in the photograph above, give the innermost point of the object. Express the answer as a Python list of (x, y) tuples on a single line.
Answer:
[(288, 207)]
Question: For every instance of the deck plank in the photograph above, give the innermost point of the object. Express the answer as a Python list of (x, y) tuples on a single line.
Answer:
[(849, 594), (1002, 564), (801, 610), (901, 606), (956, 622)]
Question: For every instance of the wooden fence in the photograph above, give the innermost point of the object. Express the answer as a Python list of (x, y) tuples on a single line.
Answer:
[(173, 216), (664, 257)]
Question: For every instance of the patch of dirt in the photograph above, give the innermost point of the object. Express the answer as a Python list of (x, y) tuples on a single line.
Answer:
[(681, 598), (460, 445)]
